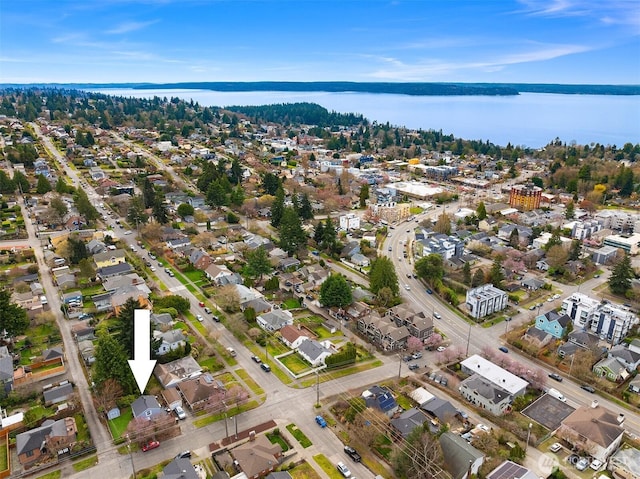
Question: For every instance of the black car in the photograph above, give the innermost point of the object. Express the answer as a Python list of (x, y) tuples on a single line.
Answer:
[(352, 453), (556, 377), (588, 388)]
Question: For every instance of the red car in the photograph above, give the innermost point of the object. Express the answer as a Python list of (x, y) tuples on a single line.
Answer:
[(150, 445), (201, 304)]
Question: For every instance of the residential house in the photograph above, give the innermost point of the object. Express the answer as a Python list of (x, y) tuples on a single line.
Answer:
[(407, 421), (257, 457), (109, 258), (314, 352), (83, 330), (485, 394), (200, 259), (146, 406), (553, 323), (57, 394), (439, 409), (292, 336), (625, 463), (180, 468), (604, 255), (383, 331), (485, 300), (119, 282), (629, 358), (537, 337), (45, 441), (532, 284), (493, 373), (172, 373), (172, 397), (87, 351), (6, 371), (169, 340), (178, 244), (161, 320), (202, 391), (115, 270), (220, 275), (487, 224), (523, 233), (380, 398), (418, 324), (511, 470), (288, 264), (460, 457), (95, 246), (611, 368), (361, 260), (595, 430), (274, 320), (634, 385)]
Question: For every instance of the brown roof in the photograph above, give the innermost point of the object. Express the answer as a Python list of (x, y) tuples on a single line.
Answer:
[(201, 389), (255, 457), (597, 424), (291, 333)]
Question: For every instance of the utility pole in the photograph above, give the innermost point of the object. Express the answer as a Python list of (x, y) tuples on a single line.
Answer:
[(399, 364), (468, 339), (528, 435), (131, 456), (317, 388)]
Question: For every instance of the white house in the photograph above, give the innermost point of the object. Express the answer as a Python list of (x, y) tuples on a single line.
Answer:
[(349, 222), (484, 300), (170, 340), (313, 352), (274, 320)]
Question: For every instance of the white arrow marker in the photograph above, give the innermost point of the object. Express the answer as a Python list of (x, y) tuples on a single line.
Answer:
[(142, 365)]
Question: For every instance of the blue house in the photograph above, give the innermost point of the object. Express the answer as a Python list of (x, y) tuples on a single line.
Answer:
[(380, 398), (553, 323), (146, 407)]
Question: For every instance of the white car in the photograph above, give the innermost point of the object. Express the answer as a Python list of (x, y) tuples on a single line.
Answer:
[(344, 470), (199, 317), (582, 464), (180, 413), (128, 232), (152, 268), (407, 287), (595, 464), (437, 315), (555, 447), (440, 349)]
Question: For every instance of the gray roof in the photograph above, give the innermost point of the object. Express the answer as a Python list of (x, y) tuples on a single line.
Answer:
[(58, 393), (144, 403), (116, 269), (33, 439), (440, 408), (6, 365), (626, 458), (457, 454), (625, 354), (108, 255), (162, 318), (408, 421), (276, 319), (173, 336), (486, 389), (312, 349), (180, 468)]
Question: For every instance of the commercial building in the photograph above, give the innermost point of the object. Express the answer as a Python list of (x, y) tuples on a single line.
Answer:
[(350, 221), (493, 373), (485, 299), (628, 243), (525, 197)]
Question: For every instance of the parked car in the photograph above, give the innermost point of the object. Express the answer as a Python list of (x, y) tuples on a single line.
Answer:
[(595, 464), (344, 470), (150, 445), (406, 358), (201, 304), (582, 464), (352, 453), (265, 367), (416, 355), (444, 381), (441, 348), (588, 388), (207, 310), (556, 377), (503, 349), (413, 367), (437, 315), (428, 290), (183, 455), (199, 317), (256, 359), (321, 422), (555, 447), (180, 413)]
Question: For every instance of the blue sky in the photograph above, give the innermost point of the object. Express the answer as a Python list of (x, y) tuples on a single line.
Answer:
[(529, 41)]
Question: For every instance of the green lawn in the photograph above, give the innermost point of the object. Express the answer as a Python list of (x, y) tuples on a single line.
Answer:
[(4, 464), (291, 303), (248, 380), (51, 475), (327, 466), (339, 373), (83, 430), (299, 435), (324, 333), (85, 463), (295, 364), (195, 276), (212, 364), (304, 471), (276, 438), (119, 425)]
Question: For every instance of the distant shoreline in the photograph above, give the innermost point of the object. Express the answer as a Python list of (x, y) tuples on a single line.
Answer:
[(411, 89)]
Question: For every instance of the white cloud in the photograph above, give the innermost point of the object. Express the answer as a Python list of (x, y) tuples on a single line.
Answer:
[(127, 27)]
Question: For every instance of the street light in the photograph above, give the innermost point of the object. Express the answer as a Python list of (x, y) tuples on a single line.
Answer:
[(528, 435)]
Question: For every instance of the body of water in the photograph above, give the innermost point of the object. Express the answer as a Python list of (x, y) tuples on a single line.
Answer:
[(529, 119)]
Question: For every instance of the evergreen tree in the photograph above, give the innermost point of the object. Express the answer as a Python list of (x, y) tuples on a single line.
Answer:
[(466, 273), (306, 210), (77, 249), (235, 172), (569, 212), (21, 181), (318, 233), (217, 195), (364, 195), (258, 263), (136, 214), (123, 329), (62, 187), (574, 252), (13, 318), (159, 210), (84, 205), (237, 196), (430, 268), (496, 276), (329, 236), (111, 363), (277, 208), (270, 184), (148, 193), (7, 185), (335, 291), (621, 276), (184, 210), (292, 236), (43, 186), (514, 238), (478, 278), (383, 275), (481, 211)]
